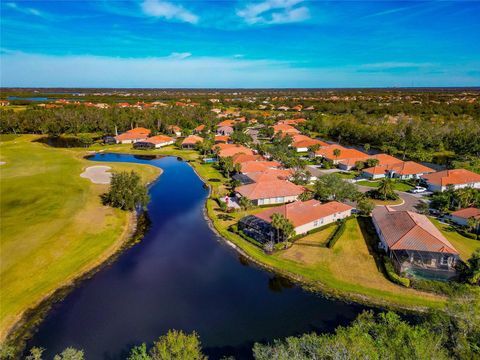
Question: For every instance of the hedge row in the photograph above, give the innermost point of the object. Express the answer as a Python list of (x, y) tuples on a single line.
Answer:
[(448, 288), (336, 234), (468, 234), (392, 275)]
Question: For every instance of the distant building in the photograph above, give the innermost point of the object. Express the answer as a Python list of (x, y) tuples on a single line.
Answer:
[(174, 129), (457, 178), (133, 136), (154, 142), (346, 157), (462, 216), (302, 143), (225, 130), (190, 141), (229, 150)]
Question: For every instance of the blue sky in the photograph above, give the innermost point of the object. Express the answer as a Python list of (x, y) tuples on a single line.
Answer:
[(266, 43)]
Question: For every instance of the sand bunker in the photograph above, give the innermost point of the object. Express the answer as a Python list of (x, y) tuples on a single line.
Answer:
[(2, 162), (98, 174)]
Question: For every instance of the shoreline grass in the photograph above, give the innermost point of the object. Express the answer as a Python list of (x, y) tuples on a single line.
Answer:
[(53, 225)]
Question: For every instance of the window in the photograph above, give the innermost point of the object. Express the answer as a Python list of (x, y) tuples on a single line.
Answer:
[(280, 199), (260, 201), (444, 260), (315, 223)]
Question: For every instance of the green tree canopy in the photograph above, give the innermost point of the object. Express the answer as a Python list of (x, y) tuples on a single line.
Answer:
[(126, 191)]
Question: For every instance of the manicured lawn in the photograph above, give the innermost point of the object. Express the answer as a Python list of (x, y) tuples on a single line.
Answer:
[(464, 245), (397, 185), (53, 224), (349, 269), (347, 175)]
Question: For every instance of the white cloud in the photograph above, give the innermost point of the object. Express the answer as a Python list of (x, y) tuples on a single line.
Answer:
[(18, 69), (169, 11), (274, 12), (26, 10), (182, 55)]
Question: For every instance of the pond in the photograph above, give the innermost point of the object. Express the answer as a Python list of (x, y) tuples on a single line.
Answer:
[(183, 276)]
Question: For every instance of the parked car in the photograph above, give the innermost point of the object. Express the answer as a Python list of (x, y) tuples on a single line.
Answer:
[(418, 190)]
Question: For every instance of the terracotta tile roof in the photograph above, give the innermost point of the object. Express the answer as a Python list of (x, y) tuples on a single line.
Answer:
[(286, 129), (292, 121), (467, 213), (345, 153), (227, 150), (385, 159), (255, 166), (134, 134), (240, 158), (269, 175), (174, 128), (199, 128), (226, 123), (410, 168), (159, 139), (301, 213), (406, 230), (222, 138), (192, 140), (303, 141), (269, 189), (376, 170), (452, 177)]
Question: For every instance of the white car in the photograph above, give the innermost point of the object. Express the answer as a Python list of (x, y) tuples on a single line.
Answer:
[(418, 190)]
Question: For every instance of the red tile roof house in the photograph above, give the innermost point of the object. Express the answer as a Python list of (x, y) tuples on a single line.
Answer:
[(190, 141), (414, 244), (302, 142), (380, 170), (226, 150), (133, 136), (305, 216), (285, 129), (408, 170), (345, 160), (462, 216), (220, 139), (225, 130), (154, 142), (270, 192), (269, 174), (199, 129), (174, 129), (457, 178)]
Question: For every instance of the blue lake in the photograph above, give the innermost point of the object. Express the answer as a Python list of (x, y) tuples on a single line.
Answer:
[(183, 276)]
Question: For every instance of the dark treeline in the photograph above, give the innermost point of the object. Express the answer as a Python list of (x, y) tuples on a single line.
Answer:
[(75, 120), (415, 137)]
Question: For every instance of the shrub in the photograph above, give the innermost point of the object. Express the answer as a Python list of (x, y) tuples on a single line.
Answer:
[(392, 275), (448, 288), (468, 234), (336, 234)]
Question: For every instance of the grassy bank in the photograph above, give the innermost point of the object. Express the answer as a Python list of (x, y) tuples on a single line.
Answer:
[(53, 225)]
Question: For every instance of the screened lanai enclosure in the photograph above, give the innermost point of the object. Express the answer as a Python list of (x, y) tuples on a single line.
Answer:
[(256, 228), (425, 264)]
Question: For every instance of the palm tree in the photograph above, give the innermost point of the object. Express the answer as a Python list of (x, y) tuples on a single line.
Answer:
[(287, 230), (385, 190), (276, 223)]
